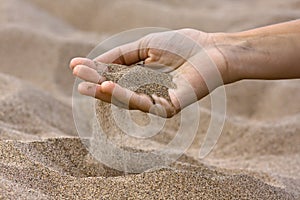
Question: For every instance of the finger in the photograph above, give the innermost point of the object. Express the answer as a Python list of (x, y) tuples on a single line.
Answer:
[(113, 93), (88, 74), (81, 61), (159, 110), (169, 109), (93, 90), (128, 99), (98, 66), (127, 54), (187, 86), (175, 100)]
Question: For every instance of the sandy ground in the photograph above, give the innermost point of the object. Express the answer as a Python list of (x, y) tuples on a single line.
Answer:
[(41, 156)]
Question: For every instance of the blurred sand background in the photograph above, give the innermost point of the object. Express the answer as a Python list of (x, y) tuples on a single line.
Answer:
[(41, 157)]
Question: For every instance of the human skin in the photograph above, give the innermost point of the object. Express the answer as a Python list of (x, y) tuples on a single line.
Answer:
[(271, 52)]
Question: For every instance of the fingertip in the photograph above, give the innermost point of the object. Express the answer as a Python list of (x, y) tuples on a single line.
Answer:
[(108, 87), (80, 87), (175, 99), (74, 62), (75, 70), (88, 74), (81, 61), (87, 88)]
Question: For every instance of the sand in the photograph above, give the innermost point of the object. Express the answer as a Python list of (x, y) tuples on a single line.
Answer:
[(67, 171), (139, 79), (41, 155)]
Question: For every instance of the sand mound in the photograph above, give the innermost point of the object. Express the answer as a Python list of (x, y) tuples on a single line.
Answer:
[(28, 113), (62, 168), (25, 54)]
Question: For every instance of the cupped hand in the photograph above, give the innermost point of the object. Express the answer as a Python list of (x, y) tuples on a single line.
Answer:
[(191, 57)]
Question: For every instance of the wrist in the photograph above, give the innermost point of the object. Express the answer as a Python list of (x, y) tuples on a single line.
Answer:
[(232, 48), (216, 46), (260, 53)]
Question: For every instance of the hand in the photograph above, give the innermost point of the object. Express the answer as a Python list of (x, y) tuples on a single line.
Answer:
[(190, 56)]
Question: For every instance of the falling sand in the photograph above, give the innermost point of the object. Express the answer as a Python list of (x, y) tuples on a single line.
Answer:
[(139, 79)]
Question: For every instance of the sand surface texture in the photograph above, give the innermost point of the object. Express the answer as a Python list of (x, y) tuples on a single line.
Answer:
[(139, 79), (41, 155)]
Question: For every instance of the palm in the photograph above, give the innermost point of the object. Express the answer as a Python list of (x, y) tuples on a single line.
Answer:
[(178, 53)]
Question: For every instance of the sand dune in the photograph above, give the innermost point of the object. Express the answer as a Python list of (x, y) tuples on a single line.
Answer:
[(204, 15), (61, 168), (41, 155), (26, 111)]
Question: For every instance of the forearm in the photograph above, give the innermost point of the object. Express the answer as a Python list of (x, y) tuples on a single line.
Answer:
[(271, 52)]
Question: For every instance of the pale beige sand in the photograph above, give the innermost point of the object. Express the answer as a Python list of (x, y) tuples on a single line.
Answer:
[(41, 157)]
